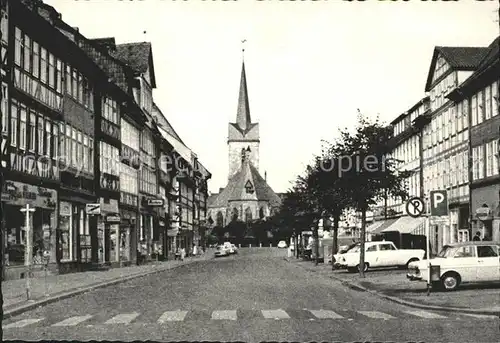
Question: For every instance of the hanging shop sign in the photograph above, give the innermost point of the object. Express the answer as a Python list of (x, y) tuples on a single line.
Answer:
[(113, 219), (154, 202), (19, 194), (484, 213)]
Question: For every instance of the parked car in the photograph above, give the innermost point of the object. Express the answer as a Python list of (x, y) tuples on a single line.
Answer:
[(342, 250), (233, 250), (221, 251), (282, 244), (380, 254), (466, 262)]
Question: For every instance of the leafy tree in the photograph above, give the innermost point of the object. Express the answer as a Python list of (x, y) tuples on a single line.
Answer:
[(366, 171)]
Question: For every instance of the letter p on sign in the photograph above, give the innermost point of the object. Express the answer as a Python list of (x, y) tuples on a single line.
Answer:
[(439, 203)]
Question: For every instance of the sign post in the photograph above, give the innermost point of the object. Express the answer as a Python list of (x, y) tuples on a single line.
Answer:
[(438, 208), (28, 248)]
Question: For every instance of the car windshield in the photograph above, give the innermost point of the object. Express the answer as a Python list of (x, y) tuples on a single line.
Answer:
[(355, 248), (447, 252)]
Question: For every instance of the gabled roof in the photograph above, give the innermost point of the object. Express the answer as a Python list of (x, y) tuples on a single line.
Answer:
[(491, 57), (235, 189), (459, 58), (164, 123), (139, 56)]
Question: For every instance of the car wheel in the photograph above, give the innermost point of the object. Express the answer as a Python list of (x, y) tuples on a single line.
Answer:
[(450, 281), (410, 261), (365, 269)]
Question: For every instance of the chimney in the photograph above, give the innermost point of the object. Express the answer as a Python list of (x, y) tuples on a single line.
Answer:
[(265, 176)]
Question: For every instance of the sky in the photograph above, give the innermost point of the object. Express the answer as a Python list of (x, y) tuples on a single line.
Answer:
[(309, 64)]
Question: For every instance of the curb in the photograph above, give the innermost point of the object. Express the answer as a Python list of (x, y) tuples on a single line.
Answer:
[(411, 303), (80, 290)]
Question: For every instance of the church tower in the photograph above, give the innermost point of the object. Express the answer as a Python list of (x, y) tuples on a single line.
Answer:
[(243, 135)]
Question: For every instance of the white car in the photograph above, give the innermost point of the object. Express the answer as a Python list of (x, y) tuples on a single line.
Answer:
[(233, 249), (282, 244), (379, 254), (466, 262), (222, 251)]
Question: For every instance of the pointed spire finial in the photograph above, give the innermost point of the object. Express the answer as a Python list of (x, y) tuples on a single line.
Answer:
[(243, 48)]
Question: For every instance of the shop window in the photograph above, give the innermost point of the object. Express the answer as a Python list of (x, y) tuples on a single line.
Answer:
[(66, 233)]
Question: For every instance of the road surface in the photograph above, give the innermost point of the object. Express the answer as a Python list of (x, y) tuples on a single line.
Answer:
[(253, 296)]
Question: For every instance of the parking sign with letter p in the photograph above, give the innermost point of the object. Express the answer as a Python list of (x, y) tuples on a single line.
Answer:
[(439, 203)]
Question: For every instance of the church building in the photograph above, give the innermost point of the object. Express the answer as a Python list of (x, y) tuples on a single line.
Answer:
[(247, 196)]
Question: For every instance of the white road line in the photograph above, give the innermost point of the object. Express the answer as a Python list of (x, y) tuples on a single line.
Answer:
[(425, 314), (376, 314), (275, 314), (325, 314), (224, 315), (22, 323), (73, 321), (172, 316), (124, 318), (485, 316)]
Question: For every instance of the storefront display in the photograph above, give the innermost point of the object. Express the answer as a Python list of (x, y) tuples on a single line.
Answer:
[(15, 195)]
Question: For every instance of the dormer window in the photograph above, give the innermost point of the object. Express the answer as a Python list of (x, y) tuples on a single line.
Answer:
[(249, 187)]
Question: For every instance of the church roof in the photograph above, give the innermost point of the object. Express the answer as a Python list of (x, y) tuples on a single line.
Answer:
[(243, 119), (247, 176)]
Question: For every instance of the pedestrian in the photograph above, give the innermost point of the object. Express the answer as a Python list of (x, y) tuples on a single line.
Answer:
[(477, 237), (183, 254), (195, 250)]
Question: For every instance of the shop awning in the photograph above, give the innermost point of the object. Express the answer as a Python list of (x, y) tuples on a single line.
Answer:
[(406, 225), (183, 150), (383, 225)]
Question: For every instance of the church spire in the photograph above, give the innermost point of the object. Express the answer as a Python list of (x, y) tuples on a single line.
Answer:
[(243, 115)]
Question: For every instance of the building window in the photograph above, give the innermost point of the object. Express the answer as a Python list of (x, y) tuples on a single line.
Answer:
[(79, 149), (474, 109), (110, 110), (495, 101), (129, 135), (128, 179), (109, 159), (32, 131), (477, 163), (480, 107), (5, 109), (491, 158), (22, 127), (487, 103)]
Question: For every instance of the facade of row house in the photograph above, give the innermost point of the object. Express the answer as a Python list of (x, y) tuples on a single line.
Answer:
[(481, 92), (390, 213), (77, 130), (451, 143)]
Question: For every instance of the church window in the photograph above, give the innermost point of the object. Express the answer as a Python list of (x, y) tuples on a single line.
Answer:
[(249, 187), (220, 219), (234, 216), (261, 213), (248, 215)]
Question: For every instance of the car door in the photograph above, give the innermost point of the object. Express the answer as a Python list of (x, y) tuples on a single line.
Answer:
[(371, 255), (488, 268), (385, 255), (465, 262)]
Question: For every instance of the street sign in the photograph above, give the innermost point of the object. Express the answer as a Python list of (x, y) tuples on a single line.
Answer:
[(112, 219), (155, 202), (93, 209), (439, 203), (415, 207)]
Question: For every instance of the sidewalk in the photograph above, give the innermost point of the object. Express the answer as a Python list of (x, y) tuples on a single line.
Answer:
[(58, 287), (393, 285)]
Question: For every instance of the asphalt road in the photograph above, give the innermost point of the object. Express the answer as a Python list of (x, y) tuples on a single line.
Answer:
[(253, 296)]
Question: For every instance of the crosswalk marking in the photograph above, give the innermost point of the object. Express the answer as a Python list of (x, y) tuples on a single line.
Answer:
[(124, 318), (325, 314), (172, 316), (224, 315), (22, 323), (73, 321), (376, 314), (485, 316), (425, 314), (275, 314)]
